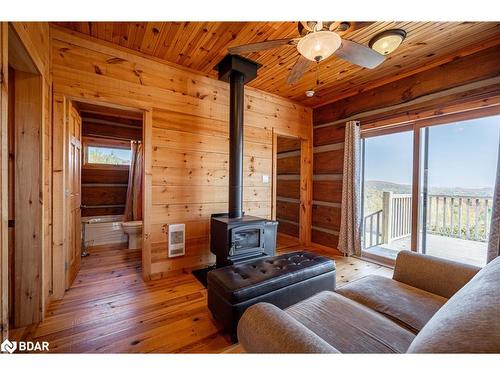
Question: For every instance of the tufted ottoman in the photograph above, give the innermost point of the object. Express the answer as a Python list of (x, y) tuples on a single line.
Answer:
[(281, 280)]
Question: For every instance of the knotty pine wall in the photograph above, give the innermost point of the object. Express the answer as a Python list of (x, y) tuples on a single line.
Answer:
[(189, 136), (467, 82)]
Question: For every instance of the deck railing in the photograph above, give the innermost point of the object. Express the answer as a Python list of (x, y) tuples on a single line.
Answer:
[(462, 217), (373, 229)]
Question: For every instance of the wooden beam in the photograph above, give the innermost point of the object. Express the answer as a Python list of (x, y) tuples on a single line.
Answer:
[(99, 110), (475, 48), (306, 173), (274, 174), (465, 70), (470, 98), (147, 129), (59, 213)]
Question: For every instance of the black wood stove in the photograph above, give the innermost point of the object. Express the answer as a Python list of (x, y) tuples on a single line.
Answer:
[(235, 237)]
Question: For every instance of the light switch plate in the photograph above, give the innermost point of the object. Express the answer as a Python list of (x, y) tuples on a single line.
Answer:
[(265, 178)]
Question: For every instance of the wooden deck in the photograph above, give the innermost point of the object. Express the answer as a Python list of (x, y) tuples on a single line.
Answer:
[(457, 249), (110, 309)]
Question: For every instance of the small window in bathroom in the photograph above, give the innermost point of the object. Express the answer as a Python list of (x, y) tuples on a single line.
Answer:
[(108, 155)]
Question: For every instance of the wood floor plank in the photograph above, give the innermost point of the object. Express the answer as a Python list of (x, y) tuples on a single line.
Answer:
[(110, 309)]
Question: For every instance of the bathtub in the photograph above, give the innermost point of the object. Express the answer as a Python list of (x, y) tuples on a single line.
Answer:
[(103, 230)]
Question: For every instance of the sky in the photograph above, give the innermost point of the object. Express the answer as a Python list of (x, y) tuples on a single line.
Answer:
[(461, 154), (121, 153)]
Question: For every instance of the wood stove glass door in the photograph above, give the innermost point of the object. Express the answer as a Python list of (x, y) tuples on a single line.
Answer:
[(247, 239)]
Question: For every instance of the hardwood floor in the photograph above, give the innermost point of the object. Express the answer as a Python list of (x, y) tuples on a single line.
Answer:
[(111, 309)]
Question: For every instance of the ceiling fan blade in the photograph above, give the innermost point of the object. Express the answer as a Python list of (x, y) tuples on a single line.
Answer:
[(300, 67), (261, 46), (358, 54)]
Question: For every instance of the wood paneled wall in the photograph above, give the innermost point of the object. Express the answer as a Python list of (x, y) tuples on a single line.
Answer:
[(463, 84), (288, 163), (186, 136)]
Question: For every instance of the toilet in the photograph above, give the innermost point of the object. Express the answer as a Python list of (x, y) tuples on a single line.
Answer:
[(134, 231)]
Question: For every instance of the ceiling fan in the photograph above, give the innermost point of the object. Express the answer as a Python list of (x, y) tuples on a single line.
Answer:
[(319, 40)]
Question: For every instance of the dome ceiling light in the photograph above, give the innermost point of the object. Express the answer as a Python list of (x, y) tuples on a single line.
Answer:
[(319, 45), (387, 41)]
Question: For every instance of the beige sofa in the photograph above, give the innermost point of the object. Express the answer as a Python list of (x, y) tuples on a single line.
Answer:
[(431, 305)]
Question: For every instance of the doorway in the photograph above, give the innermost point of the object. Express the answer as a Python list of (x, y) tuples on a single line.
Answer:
[(109, 180), (288, 179)]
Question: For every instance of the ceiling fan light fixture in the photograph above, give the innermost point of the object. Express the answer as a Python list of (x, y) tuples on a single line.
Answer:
[(319, 45), (387, 41)]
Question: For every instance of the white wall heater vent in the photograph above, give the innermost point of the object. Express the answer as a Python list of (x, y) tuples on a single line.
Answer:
[(176, 240)]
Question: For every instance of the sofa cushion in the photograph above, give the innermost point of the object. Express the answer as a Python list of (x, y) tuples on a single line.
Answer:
[(433, 274), (469, 321), (349, 326), (410, 307)]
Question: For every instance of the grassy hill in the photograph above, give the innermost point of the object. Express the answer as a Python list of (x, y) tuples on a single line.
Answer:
[(373, 192)]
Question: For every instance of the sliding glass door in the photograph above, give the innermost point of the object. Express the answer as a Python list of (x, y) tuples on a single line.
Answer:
[(453, 174), (387, 188), (458, 164)]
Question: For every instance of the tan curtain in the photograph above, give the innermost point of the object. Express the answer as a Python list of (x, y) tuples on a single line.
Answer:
[(133, 204), (494, 241), (350, 224)]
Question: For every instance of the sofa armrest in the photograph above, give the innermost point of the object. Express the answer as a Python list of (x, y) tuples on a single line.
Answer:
[(432, 274), (264, 328)]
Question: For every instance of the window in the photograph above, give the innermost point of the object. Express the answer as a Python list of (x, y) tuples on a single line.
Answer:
[(107, 155), (452, 174)]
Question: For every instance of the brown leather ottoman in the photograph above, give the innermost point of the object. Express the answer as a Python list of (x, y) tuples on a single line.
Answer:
[(281, 280)]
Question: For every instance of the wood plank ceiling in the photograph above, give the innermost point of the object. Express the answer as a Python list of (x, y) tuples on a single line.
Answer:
[(200, 45)]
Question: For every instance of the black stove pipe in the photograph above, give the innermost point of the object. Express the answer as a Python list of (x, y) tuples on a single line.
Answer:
[(238, 71), (236, 88)]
